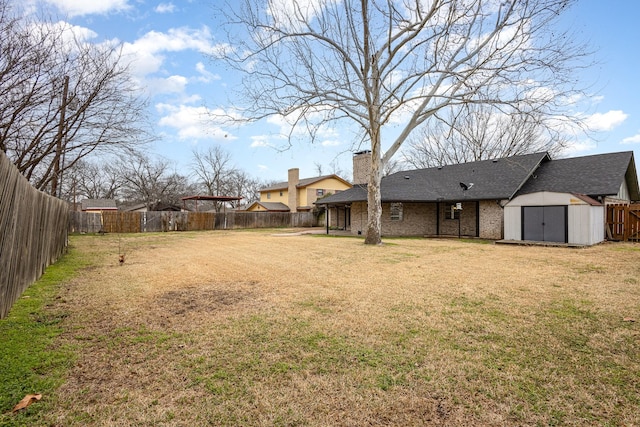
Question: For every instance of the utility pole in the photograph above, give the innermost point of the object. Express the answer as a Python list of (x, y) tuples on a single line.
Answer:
[(56, 160)]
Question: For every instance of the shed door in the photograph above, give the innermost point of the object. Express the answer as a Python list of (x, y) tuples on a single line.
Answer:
[(544, 223)]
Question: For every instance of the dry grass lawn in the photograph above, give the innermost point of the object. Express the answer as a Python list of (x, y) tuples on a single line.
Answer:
[(247, 328)]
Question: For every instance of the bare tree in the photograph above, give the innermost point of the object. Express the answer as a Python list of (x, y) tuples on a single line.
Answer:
[(334, 168), (152, 182), (242, 185), (212, 169), (478, 132), (92, 180), (62, 99), (382, 63), (215, 172), (392, 166)]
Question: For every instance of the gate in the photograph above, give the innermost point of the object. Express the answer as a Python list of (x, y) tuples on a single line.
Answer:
[(623, 222)]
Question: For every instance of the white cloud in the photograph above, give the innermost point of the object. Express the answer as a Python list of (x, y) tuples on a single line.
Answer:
[(261, 141), (286, 13), (192, 123), (147, 53), (192, 99), (171, 84), (71, 35), (174, 40), (635, 139), (578, 148), (206, 76), (606, 121), (165, 8), (290, 125), (89, 7), (330, 143), (149, 56)]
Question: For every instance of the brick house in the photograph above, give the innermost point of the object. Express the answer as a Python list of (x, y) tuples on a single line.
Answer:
[(473, 199)]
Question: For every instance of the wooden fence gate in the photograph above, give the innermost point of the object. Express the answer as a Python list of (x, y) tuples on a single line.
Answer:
[(623, 222)]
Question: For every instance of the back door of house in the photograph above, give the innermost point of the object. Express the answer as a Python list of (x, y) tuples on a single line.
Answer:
[(544, 223)]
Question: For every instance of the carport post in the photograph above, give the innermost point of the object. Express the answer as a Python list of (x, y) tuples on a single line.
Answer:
[(326, 217)]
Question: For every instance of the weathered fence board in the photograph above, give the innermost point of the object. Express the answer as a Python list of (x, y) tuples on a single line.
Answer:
[(623, 222), (121, 222), (33, 233), (85, 222), (136, 222)]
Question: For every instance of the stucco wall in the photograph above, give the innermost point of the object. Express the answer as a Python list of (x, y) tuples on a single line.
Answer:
[(256, 208), (309, 195), (305, 196), (274, 196)]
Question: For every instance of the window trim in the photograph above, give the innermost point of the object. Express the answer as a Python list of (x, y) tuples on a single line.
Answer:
[(396, 211)]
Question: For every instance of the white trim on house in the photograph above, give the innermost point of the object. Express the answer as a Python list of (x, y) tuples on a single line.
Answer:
[(623, 194)]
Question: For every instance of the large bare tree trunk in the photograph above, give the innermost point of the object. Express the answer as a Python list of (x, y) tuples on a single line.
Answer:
[(374, 199), (374, 206)]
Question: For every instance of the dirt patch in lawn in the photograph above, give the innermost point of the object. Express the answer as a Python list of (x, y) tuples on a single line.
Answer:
[(200, 299), (248, 328)]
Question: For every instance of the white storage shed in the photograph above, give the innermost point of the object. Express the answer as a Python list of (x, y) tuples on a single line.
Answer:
[(554, 217)]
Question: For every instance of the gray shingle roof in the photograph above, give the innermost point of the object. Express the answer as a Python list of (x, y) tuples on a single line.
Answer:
[(596, 175), (272, 206), (357, 193), (485, 180), (305, 182)]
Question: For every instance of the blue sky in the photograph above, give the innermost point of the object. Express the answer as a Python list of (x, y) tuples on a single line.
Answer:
[(169, 41)]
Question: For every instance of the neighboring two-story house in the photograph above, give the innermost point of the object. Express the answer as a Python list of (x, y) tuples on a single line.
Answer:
[(298, 195)]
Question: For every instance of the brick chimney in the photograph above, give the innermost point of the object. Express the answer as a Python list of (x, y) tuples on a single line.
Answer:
[(293, 180), (361, 167)]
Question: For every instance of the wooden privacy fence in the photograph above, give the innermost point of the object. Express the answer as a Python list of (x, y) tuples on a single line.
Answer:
[(33, 233), (623, 222), (140, 222)]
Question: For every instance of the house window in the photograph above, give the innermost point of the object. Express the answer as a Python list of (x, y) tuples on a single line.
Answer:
[(268, 195), (396, 211), (281, 194), (320, 192)]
